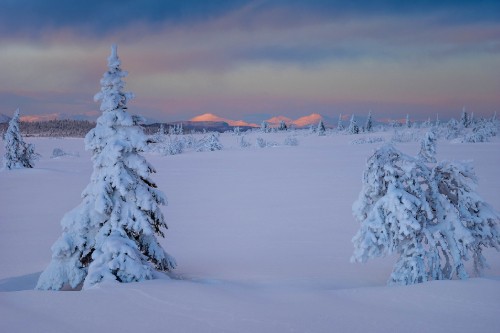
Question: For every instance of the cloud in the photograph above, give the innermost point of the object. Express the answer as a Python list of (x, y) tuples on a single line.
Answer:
[(286, 57)]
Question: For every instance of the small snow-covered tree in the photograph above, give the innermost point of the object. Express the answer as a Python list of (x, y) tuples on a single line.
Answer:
[(369, 122), (282, 126), (340, 124), (18, 154), (321, 129), (264, 127), (353, 126), (427, 123), (111, 235), (427, 151), (465, 119), (408, 121)]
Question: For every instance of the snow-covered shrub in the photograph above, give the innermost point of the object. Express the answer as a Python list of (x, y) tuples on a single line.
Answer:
[(261, 142), (431, 218), (243, 143), (18, 154), (403, 136), (367, 140), (457, 182), (111, 235), (291, 141), (190, 141), (210, 143), (453, 129), (173, 145), (482, 131), (58, 152), (159, 136)]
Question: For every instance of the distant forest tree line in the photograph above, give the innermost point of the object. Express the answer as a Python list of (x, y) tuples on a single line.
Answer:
[(79, 128)]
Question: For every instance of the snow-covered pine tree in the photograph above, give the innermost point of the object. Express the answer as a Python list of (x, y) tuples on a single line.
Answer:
[(353, 126), (369, 122), (427, 151), (18, 154), (321, 129), (408, 121), (340, 124), (282, 126), (427, 123), (111, 235), (264, 127), (431, 217), (464, 118)]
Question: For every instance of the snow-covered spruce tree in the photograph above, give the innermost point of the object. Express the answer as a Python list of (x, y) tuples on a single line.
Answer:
[(465, 118), (18, 154), (282, 126), (111, 235), (353, 126), (321, 129), (340, 124), (427, 151), (369, 122), (264, 127), (408, 121)]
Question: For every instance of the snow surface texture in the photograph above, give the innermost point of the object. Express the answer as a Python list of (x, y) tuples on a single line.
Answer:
[(262, 238)]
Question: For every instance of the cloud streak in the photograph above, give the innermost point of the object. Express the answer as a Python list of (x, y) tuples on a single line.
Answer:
[(261, 57)]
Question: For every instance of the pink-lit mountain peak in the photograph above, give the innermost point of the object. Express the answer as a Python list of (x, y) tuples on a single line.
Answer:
[(210, 117), (275, 121), (312, 119)]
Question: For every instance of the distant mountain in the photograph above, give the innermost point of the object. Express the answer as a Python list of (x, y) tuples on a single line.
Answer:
[(4, 118), (275, 121), (312, 119), (210, 117)]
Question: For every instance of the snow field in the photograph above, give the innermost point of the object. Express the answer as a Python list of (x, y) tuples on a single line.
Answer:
[(262, 237)]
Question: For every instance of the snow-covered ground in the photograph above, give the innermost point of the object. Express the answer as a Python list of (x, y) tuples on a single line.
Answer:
[(262, 237)]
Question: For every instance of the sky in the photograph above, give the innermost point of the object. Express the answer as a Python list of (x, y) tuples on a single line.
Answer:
[(254, 59)]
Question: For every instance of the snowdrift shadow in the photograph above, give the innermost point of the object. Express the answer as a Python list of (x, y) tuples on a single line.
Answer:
[(19, 283)]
